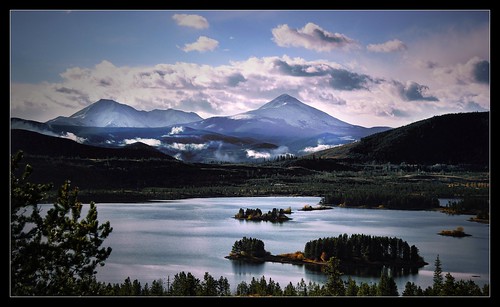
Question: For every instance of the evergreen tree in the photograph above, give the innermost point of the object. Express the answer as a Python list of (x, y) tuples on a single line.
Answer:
[(334, 285), (351, 287), (387, 286), (448, 288), (289, 290), (185, 285), (209, 286), (411, 289), (223, 288), (56, 254), (157, 288), (242, 289), (302, 288), (438, 277), (364, 290)]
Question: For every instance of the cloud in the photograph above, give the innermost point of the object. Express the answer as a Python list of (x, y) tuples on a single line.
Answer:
[(481, 71), (319, 147), (389, 46), (150, 142), (339, 78), (193, 21), (312, 37), (257, 154), (359, 97), (73, 137), (475, 70), (176, 130), (414, 91), (202, 44), (187, 147), (281, 150)]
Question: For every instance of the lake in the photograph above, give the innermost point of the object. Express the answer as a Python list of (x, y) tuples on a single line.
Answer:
[(157, 239)]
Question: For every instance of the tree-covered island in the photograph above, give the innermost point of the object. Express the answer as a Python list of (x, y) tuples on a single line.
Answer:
[(357, 249), (275, 215), (458, 232), (317, 207)]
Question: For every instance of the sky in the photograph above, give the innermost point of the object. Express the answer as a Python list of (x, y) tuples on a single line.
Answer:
[(368, 68)]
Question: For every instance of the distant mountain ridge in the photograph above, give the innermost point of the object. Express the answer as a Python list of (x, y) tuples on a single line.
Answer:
[(109, 113), (460, 138), (285, 124)]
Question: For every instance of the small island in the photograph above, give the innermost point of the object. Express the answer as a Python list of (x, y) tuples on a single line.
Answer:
[(358, 249), (458, 232), (275, 215), (318, 207)]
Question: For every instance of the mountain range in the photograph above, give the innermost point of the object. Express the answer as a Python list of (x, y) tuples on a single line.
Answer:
[(453, 141), (284, 125)]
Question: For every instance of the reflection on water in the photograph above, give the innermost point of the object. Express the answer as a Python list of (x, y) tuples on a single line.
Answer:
[(366, 270), (247, 268)]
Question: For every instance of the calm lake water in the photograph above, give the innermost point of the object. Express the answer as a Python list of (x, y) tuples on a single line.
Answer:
[(158, 239)]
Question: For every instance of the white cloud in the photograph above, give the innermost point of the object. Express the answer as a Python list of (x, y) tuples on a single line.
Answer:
[(389, 46), (187, 147), (176, 130), (150, 142), (202, 44), (311, 36), (74, 137), (257, 154), (193, 21), (319, 147)]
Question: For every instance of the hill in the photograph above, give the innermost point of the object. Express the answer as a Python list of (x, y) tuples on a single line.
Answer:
[(460, 138), (34, 143)]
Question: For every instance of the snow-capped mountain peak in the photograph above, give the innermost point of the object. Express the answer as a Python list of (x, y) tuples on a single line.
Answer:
[(298, 114), (109, 113), (281, 101)]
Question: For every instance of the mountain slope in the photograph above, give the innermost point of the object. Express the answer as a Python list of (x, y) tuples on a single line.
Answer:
[(109, 113), (461, 138), (283, 117), (298, 114), (34, 143)]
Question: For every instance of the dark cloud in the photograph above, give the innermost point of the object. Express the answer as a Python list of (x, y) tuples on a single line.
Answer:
[(67, 90), (481, 72), (235, 79), (340, 79), (299, 70), (414, 91), (105, 82)]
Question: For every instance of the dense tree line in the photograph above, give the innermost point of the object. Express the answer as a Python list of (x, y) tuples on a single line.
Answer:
[(469, 205), (373, 197), (185, 284), (363, 247)]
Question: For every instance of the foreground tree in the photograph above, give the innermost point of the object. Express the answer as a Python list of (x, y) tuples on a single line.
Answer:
[(55, 254), (334, 285)]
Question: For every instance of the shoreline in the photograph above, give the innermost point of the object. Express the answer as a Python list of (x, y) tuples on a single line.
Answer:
[(286, 258)]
